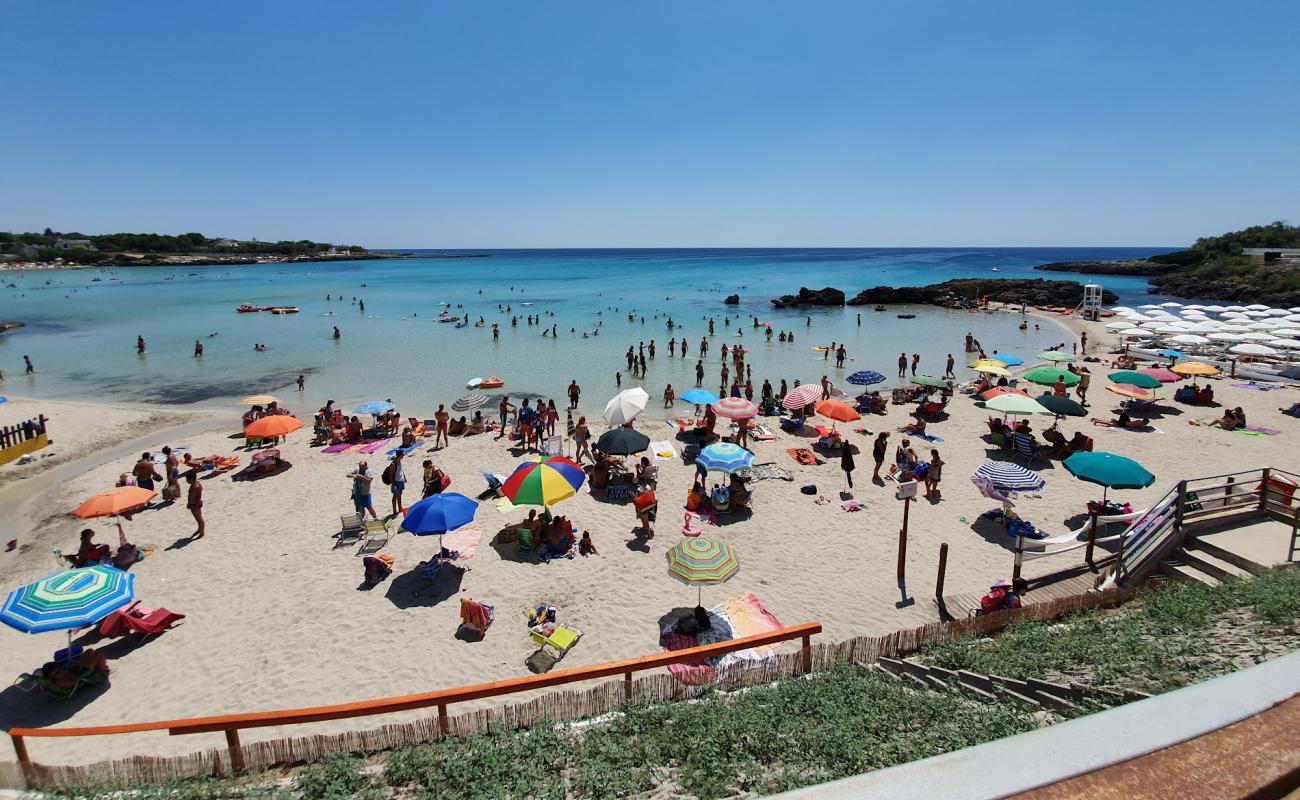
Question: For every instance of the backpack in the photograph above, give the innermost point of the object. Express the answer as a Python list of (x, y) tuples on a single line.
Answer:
[(993, 601), (387, 476)]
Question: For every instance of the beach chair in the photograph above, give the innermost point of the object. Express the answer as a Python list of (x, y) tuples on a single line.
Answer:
[(30, 681), (1025, 447), (553, 446), (526, 545), (137, 621), (475, 617), (350, 527), (552, 648), (376, 536)]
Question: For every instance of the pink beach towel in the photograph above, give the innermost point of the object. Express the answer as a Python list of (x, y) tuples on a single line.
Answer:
[(373, 447), (341, 447), (464, 541)]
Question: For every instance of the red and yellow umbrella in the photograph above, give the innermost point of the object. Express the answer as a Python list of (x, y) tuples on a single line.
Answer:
[(114, 501), (272, 426), (544, 483)]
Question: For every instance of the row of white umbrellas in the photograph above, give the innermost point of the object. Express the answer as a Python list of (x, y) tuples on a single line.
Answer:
[(1247, 328)]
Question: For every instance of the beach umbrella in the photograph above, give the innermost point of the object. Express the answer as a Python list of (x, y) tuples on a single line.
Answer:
[(1194, 307), (865, 377), (1055, 355), (929, 380), (1257, 307), (1189, 338), (837, 410), (1257, 337), (1008, 359), (374, 407), (993, 369), (735, 408), (1289, 332), (989, 394), (1015, 404), (1252, 350), (801, 396), (439, 513), (1135, 332), (469, 402), (700, 397), (1109, 470), (622, 442), (1117, 324), (1171, 304), (114, 501), (1265, 325), (1129, 390), (68, 599), (1290, 344), (1061, 406), (724, 457), (1149, 305), (1009, 477), (259, 400), (1135, 379), (625, 405), (1224, 336), (545, 482), (1193, 368), (1161, 374), (1120, 309), (272, 426), (986, 362), (700, 561), (1047, 376), (1170, 353)]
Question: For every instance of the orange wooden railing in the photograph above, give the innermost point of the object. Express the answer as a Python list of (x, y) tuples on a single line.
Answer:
[(232, 724)]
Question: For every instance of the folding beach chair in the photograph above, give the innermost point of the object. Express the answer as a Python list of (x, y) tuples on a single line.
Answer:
[(526, 545), (377, 535), (29, 681), (1025, 447), (553, 446), (553, 648), (350, 527)]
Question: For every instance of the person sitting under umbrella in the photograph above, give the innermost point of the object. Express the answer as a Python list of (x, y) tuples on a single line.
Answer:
[(1060, 447), (88, 552), (739, 494), (67, 675)]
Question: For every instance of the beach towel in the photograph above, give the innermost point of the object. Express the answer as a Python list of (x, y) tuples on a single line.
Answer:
[(463, 543), (1250, 430), (1263, 430), (765, 472), (762, 433), (341, 447), (734, 619), (1258, 387), (1147, 429), (403, 450), (806, 457), (373, 447), (663, 451), (929, 437), (505, 506)]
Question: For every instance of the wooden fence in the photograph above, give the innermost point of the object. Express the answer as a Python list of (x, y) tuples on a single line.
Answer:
[(560, 706)]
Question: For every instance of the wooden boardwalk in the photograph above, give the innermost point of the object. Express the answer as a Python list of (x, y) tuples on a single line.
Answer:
[(1041, 590)]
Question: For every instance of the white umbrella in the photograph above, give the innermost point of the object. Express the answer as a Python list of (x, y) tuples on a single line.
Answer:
[(1235, 315), (625, 405), (1171, 304), (1256, 313), (1287, 333), (1236, 308), (1120, 309), (1215, 309), (1231, 328), (1152, 323), (1257, 307), (1189, 338), (1135, 332), (1195, 307), (1252, 350), (1149, 305), (1277, 312), (1191, 312), (1256, 336), (1117, 325), (1226, 337), (1170, 329), (1292, 318), (1294, 309), (1290, 344)]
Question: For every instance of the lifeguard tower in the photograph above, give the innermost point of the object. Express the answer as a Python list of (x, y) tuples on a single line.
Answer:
[(1091, 305)]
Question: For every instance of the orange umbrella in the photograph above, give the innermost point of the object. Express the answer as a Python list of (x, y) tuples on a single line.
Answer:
[(1129, 390), (989, 394), (114, 501), (269, 427), (837, 410)]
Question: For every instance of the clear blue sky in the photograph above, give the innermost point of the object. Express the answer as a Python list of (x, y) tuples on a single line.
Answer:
[(657, 123)]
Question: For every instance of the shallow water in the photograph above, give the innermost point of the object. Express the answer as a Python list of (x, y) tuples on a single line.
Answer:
[(81, 333)]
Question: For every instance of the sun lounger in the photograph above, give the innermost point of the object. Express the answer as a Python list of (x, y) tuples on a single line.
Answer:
[(553, 647), (29, 681), (1025, 447), (138, 621)]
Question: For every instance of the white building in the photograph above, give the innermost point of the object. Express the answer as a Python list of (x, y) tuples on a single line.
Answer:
[(74, 244)]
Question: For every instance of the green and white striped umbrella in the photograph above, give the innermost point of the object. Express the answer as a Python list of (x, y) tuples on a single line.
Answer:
[(701, 561), (68, 599)]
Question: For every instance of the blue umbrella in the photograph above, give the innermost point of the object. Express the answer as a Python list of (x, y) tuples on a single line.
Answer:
[(1170, 354), (724, 457), (865, 378), (1007, 476), (700, 397), (68, 599), (374, 407), (1008, 359), (439, 513)]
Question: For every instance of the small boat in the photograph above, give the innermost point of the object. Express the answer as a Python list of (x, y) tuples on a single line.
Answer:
[(907, 316), (995, 269), (248, 309), (880, 308), (473, 383), (492, 383), (284, 310)]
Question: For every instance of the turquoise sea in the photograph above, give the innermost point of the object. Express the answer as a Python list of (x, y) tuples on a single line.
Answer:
[(81, 332)]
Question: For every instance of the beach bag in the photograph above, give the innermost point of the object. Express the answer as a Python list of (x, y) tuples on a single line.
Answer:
[(809, 489), (387, 476), (993, 601)]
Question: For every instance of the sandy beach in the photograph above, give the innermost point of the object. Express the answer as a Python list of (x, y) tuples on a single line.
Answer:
[(275, 618)]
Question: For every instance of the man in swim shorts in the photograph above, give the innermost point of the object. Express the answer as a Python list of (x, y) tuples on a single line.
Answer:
[(361, 479), (442, 417)]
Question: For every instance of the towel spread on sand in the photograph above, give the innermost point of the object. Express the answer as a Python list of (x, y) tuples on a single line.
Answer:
[(373, 447), (736, 618), (804, 456), (764, 472), (929, 437), (403, 450), (463, 542), (341, 447), (1263, 430), (762, 433), (1258, 387), (505, 506), (663, 451)]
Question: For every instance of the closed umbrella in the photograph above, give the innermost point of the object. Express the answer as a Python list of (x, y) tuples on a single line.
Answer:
[(1015, 404), (374, 407), (1135, 379), (801, 396), (1109, 470), (545, 482), (622, 442), (114, 501), (724, 457), (469, 402), (735, 408), (700, 397), (272, 426), (1046, 376), (1010, 477), (865, 377), (700, 561), (837, 410), (625, 405)]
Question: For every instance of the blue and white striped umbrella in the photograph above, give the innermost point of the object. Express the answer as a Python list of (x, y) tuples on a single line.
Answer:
[(1010, 477), (724, 457), (68, 599), (865, 378)]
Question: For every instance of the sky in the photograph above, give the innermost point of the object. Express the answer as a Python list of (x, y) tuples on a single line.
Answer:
[(659, 123)]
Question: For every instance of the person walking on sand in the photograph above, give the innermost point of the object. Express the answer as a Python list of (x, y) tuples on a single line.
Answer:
[(582, 435), (1083, 342), (846, 462), (361, 480), (878, 451), (144, 472), (947, 370), (916, 362), (441, 417), (933, 475), (902, 365), (397, 479), (574, 392), (1085, 378), (194, 502)]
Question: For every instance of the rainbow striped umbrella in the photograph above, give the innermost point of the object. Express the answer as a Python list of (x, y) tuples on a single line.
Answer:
[(68, 599), (735, 408), (700, 561), (544, 483)]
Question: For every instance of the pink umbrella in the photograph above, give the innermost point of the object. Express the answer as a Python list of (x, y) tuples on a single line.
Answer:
[(801, 396), (1161, 374), (736, 408)]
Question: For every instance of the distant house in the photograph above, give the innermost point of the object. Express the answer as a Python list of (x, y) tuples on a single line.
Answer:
[(225, 243), (1289, 256), (73, 244)]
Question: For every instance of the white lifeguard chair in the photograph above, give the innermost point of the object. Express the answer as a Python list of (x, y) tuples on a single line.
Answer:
[(1091, 305)]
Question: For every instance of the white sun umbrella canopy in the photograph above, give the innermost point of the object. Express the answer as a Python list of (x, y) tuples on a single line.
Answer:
[(1189, 338), (1171, 304), (1287, 333), (1117, 325), (1171, 329), (1224, 336), (1149, 305), (1231, 328), (625, 405), (1135, 332), (1120, 309), (1256, 336), (1236, 308), (1195, 307), (1215, 309), (1153, 323), (1257, 307), (1277, 312), (1290, 344), (1235, 315), (1263, 326), (1252, 349), (1254, 314), (1294, 316)]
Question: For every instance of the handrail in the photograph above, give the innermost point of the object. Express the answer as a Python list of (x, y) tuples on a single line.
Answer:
[(231, 724)]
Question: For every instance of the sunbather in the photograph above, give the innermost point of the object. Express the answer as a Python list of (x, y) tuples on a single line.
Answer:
[(1124, 421), (914, 427), (66, 675)]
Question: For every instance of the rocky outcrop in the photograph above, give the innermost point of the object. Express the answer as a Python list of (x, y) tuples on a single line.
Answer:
[(1222, 291), (732, 300), (9, 325), (810, 297), (967, 291), (1114, 267)]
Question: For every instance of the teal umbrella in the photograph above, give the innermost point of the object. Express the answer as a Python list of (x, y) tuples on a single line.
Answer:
[(1134, 378), (1109, 470), (1054, 355), (929, 380), (1047, 376)]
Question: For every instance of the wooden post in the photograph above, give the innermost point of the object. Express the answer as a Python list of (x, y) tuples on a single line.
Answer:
[(902, 539), (1232, 371), (1092, 538), (1179, 501), (25, 761), (943, 568), (1020, 549), (627, 686), (1263, 488), (236, 752), (807, 654), (443, 722)]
